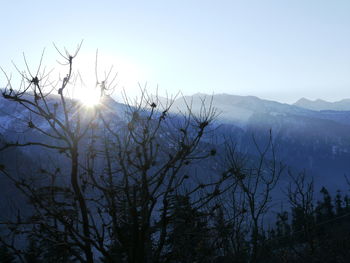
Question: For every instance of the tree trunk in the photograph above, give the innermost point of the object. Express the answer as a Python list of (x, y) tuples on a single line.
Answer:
[(82, 204)]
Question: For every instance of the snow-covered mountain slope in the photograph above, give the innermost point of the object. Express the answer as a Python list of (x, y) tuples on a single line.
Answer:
[(318, 141), (318, 105), (232, 108)]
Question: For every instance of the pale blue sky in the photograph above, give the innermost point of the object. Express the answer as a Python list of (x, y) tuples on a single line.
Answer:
[(280, 50)]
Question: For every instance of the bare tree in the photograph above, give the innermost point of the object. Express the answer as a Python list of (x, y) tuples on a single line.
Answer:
[(301, 198), (231, 236), (123, 170), (149, 161), (255, 178), (68, 124)]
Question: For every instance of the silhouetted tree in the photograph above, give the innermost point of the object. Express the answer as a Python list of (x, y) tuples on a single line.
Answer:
[(33, 252), (189, 238), (6, 256), (255, 179), (109, 193), (339, 209), (283, 229), (324, 209), (147, 161), (301, 198)]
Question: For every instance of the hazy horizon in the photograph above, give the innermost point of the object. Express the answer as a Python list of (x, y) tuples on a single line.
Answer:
[(252, 95)]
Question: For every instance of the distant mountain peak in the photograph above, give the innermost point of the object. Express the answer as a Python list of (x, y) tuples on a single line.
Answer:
[(320, 104), (302, 100)]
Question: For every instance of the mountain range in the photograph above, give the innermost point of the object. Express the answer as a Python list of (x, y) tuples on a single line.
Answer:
[(319, 105), (311, 136), (315, 141)]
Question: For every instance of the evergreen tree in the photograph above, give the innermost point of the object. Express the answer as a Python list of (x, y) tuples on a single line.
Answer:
[(189, 237), (346, 204), (283, 229), (6, 256), (54, 253), (324, 209), (338, 204), (33, 252), (222, 232)]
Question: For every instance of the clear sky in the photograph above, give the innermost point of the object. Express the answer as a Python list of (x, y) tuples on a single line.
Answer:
[(280, 50)]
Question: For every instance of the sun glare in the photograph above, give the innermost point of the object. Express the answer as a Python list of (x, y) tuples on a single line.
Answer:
[(92, 71), (89, 97)]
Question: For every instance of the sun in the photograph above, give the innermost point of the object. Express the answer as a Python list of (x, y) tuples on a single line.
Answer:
[(89, 97), (93, 69)]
